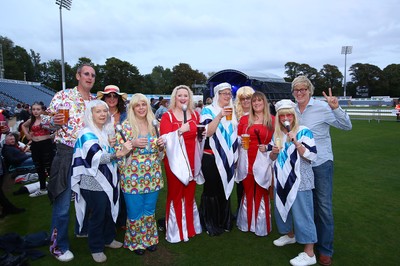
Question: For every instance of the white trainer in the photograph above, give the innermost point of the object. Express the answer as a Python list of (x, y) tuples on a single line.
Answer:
[(284, 240), (67, 256), (114, 244), (99, 257), (38, 193), (303, 260)]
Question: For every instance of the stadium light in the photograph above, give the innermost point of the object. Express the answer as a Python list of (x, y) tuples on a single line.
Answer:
[(345, 50), (67, 5)]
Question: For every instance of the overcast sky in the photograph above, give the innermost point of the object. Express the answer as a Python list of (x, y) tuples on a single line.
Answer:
[(209, 35)]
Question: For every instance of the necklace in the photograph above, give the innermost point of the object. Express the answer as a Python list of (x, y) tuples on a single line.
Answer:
[(116, 111)]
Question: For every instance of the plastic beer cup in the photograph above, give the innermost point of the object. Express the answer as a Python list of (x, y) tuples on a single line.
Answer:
[(229, 116), (245, 141), (62, 109)]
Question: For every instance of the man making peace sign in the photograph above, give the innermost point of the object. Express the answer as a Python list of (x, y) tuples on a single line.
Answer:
[(319, 116)]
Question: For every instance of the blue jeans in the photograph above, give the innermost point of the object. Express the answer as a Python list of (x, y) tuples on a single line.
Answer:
[(101, 226), (59, 188), (60, 217), (301, 217), (27, 163), (323, 177)]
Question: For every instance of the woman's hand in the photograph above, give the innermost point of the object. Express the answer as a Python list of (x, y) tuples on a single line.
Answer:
[(160, 142), (126, 148), (262, 147), (292, 136), (140, 143), (112, 141), (184, 128), (274, 153)]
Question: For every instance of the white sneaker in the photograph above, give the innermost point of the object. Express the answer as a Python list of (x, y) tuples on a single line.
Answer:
[(38, 193), (284, 240), (303, 260), (67, 256), (114, 244), (82, 236), (99, 257)]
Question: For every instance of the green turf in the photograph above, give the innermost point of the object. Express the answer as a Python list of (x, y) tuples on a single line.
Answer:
[(366, 209)]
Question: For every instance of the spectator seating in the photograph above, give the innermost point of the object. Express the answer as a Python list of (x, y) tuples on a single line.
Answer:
[(26, 92)]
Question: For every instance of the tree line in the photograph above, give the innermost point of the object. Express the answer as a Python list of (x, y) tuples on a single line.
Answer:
[(366, 80)]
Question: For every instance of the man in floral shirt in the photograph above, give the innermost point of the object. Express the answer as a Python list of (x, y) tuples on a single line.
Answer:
[(59, 186)]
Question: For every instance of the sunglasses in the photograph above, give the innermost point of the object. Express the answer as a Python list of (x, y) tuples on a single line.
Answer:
[(111, 95), (87, 74)]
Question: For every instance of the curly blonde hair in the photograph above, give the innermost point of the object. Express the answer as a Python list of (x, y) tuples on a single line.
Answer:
[(242, 92), (135, 100)]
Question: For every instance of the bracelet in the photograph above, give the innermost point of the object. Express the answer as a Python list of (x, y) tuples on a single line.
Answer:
[(113, 156), (298, 146)]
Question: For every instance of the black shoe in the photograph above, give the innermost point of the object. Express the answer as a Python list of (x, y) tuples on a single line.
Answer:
[(15, 210), (139, 251), (11, 211), (152, 248)]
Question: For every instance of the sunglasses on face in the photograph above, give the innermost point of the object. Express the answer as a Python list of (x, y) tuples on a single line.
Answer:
[(111, 95), (87, 74), (285, 116)]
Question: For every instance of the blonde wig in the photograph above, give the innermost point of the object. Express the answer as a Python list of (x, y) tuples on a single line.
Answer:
[(279, 128), (242, 92), (132, 119), (190, 106), (267, 120)]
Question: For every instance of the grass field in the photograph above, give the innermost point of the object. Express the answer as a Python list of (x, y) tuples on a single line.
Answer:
[(366, 209)]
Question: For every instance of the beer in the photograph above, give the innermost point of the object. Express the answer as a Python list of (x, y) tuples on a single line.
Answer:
[(230, 110), (200, 130), (62, 109), (245, 141), (278, 143)]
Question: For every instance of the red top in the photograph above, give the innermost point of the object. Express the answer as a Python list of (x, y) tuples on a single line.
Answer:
[(39, 131), (169, 123), (265, 137)]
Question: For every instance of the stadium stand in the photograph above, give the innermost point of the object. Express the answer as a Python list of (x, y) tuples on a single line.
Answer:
[(274, 87), (14, 91)]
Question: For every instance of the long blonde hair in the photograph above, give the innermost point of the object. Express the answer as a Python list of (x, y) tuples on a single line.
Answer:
[(279, 128), (133, 121), (267, 118), (242, 92), (190, 106)]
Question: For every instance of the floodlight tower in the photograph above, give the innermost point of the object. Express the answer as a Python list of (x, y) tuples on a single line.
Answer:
[(1, 62), (345, 50), (67, 5)]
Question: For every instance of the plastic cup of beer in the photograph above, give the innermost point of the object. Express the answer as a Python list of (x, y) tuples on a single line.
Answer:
[(278, 143), (200, 130), (245, 141), (230, 110), (62, 109)]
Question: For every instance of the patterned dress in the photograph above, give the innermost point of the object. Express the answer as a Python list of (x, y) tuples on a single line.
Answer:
[(140, 174)]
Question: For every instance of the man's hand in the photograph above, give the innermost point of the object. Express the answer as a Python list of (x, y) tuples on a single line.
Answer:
[(331, 100)]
